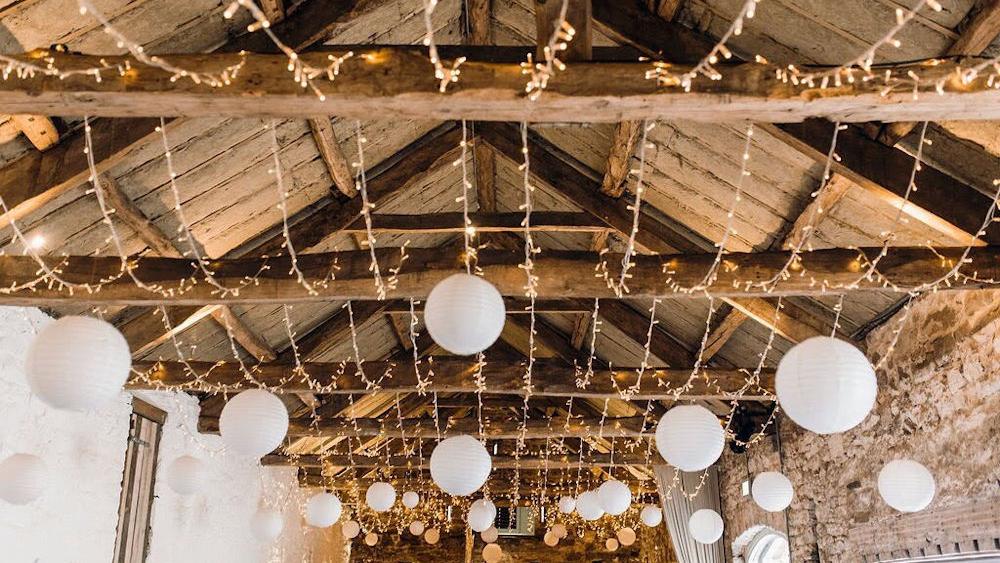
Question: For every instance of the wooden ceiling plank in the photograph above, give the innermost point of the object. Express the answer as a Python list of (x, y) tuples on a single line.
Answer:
[(332, 155), (39, 129)]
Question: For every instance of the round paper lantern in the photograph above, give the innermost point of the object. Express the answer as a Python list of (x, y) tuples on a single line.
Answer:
[(22, 478), (464, 314), (559, 529), (567, 504), (626, 536), (490, 535), (772, 491), (253, 423), (380, 496), (550, 539), (705, 526), (492, 553), (323, 510), (651, 515), (611, 544), (78, 363), (186, 475), (615, 497), (588, 506), (481, 515), (411, 499), (432, 536), (690, 437), (906, 485), (350, 529), (266, 524), (825, 385), (460, 465), (416, 527), (371, 538)]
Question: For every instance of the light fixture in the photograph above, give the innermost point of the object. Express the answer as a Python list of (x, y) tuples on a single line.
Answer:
[(481, 515), (705, 526), (253, 423), (22, 478), (615, 497), (464, 314), (772, 491), (380, 496), (906, 485), (460, 465), (186, 475), (690, 437), (651, 515), (323, 510), (266, 524), (588, 506)]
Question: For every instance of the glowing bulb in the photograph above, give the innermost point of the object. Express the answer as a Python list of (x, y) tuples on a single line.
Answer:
[(37, 242)]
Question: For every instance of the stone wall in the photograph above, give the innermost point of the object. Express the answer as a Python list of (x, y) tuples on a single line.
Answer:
[(741, 511)]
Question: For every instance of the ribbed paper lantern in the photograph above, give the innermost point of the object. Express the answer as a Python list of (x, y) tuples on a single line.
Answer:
[(705, 526), (490, 535), (690, 437), (615, 496), (380, 496), (825, 385), (78, 363), (253, 423), (567, 504), (323, 510), (416, 527), (772, 491), (266, 524), (22, 478), (481, 515), (611, 544), (626, 536), (371, 538), (651, 515), (186, 475), (559, 529), (492, 553), (411, 499), (460, 465), (906, 485), (432, 536), (550, 539), (464, 314), (350, 529), (588, 506)]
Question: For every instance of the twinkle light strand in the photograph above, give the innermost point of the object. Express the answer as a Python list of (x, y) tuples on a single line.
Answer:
[(540, 72), (445, 75)]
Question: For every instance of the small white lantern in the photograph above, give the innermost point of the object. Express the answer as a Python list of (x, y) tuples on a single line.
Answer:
[(490, 535), (22, 478), (588, 506), (186, 475), (825, 385), (350, 529), (651, 515), (615, 497), (253, 423), (626, 536), (690, 437), (611, 544), (705, 526), (481, 515), (567, 504), (772, 491), (464, 314), (432, 536), (411, 499), (371, 538), (559, 529), (78, 363), (380, 496), (416, 527), (460, 465), (266, 525), (550, 539), (492, 553), (906, 485), (323, 510)]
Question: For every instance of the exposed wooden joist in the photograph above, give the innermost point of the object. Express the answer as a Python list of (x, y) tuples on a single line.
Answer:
[(485, 165), (819, 208), (619, 162), (39, 129), (244, 335), (479, 14), (310, 23), (436, 223), (125, 210), (273, 9), (578, 15), (721, 333), (332, 155), (527, 462)]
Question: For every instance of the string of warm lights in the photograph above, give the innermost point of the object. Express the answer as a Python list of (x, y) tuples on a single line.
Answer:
[(621, 287), (445, 75), (540, 72)]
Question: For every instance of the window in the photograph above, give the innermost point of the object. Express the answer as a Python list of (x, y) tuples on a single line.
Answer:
[(145, 427)]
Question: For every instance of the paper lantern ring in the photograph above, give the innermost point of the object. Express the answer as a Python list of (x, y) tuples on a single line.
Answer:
[(253, 423), (186, 475), (411, 499), (615, 497), (266, 524), (772, 491), (481, 515), (551, 539), (567, 504), (626, 536), (323, 510), (74, 345), (705, 526), (490, 535), (559, 529), (464, 314), (371, 538), (690, 437), (588, 506), (380, 496), (492, 553), (432, 536), (651, 516), (611, 544), (906, 485), (350, 529), (416, 527), (460, 465), (22, 478)]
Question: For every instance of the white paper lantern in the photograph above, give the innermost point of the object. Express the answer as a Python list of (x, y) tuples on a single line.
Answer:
[(651, 515), (615, 497), (460, 465), (78, 363), (266, 524), (772, 491), (567, 504), (253, 423), (559, 529), (380, 496), (350, 529), (416, 527), (432, 536), (323, 510), (690, 437), (906, 485), (588, 506), (492, 553), (490, 535), (550, 539), (705, 526), (411, 499), (186, 475), (371, 538), (464, 314), (825, 385), (611, 544), (626, 536), (22, 478), (481, 515)]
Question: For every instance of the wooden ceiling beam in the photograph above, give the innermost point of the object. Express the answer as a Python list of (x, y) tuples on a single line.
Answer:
[(527, 462), (616, 169), (485, 222), (332, 155), (39, 129), (480, 15), (578, 15)]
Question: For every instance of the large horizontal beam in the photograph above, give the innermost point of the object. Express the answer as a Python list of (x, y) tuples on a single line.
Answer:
[(527, 462), (561, 275), (397, 82), (553, 378)]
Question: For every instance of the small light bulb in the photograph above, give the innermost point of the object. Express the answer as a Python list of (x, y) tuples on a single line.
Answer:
[(37, 242)]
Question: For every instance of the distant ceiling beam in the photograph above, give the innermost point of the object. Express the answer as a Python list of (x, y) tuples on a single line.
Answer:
[(437, 223), (526, 462)]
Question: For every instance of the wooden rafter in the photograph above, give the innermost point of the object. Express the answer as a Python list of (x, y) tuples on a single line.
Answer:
[(578, 15), (452, 222), (39, 129), (332, 155), (619, 162), (528, 462)]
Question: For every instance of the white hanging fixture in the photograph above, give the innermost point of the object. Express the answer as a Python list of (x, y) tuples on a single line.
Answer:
[(567, 504), (460, 465), (78, 363), (588, 506), (371, 538), (611, 544), (492, 553), (690, 437), (432, 536), (464, 314), (772, 491), (906, 485), (186, 475), (651, 515), (350, 529), (490, 535), (559, 529), (705, 526), (481, 515), (266, 524), (615, 497), (550, 539), (416, 527), (380, 496), (22, 478), (626, 536), (323, 510), (411, 499), (253, 423), (825, 385)]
